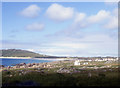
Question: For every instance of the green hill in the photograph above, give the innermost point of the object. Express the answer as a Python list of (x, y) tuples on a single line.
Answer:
[(19, 53)]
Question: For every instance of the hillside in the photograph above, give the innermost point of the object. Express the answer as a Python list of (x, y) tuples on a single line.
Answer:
[(20, 53)]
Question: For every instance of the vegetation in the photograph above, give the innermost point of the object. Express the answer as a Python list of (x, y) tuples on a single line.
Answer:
[(51, 78), (61, 73), (19, 53)]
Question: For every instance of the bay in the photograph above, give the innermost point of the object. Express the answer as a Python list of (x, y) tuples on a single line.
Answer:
[(11, 62)]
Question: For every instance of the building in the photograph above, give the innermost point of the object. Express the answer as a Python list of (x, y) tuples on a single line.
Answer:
[(77, 62)]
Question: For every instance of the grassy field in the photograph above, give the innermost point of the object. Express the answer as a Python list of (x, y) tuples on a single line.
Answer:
[(82, 75), (45, 77)]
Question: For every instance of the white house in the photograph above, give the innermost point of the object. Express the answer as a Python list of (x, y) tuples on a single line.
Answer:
[(77, 62), (85, 63)]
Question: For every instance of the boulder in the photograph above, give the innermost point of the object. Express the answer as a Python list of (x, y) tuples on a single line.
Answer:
[(63, 70), (21, 64), (29, 65)]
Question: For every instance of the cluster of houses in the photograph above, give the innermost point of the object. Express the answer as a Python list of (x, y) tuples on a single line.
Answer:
[(107, 59), (78, 61)]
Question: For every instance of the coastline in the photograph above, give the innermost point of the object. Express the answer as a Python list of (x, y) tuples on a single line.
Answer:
[(15, 57), (36, 65), (56, 59), (36, 58)]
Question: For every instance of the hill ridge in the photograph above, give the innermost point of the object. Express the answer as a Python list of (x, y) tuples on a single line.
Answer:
[(19, 53)]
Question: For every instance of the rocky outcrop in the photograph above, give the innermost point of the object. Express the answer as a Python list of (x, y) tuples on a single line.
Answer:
[(63, 70)]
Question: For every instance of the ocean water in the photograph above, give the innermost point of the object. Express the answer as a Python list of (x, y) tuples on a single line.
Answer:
[(11, 62)]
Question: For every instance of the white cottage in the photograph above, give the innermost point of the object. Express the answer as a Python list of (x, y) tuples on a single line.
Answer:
[(77, 62)]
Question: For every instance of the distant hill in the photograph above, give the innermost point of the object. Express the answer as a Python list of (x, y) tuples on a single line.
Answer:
[(19, 53)]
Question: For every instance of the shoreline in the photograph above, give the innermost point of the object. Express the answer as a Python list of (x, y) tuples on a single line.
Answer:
[(15, 57), (52, 60), (35, 65), (36, 58)]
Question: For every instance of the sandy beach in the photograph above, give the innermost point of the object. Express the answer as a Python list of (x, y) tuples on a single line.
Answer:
[(16, 57), (36, 58)]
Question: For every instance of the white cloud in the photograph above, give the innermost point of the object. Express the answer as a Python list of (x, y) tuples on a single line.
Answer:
[(35, 26), (100, 16), (103, 18), (81, 20), (31, 11), (113, 20), (97, 44), (59, 13), (79, 17), (112, 23)]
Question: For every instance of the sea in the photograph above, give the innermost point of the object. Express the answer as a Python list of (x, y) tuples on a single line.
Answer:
[(11, 62)]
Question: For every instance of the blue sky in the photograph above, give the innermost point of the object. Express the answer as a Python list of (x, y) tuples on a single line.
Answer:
[(61, 28)]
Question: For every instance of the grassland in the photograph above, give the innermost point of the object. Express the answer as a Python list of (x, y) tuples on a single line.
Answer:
[(64, 73)]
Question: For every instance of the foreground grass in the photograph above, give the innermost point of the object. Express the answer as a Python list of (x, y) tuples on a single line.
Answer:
[(48, 77)]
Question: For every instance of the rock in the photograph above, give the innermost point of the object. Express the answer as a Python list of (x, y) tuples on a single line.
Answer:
[(37, 64), (29, 65), (63, 70), (33, 63), (21, 64)]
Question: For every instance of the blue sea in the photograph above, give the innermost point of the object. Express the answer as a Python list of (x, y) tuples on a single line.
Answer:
[(11, 62)]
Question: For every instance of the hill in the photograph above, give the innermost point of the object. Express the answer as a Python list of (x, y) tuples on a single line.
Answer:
[(19, 53)]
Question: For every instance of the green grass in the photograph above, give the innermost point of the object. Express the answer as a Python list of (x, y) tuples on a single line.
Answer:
[(51, 78)]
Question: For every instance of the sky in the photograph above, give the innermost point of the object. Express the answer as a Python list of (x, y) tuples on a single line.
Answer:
[(61, 28)]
